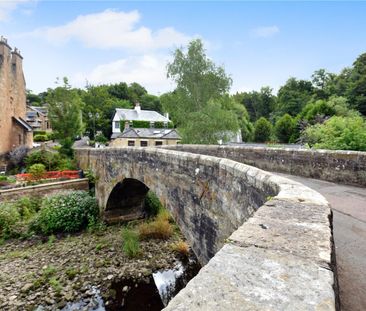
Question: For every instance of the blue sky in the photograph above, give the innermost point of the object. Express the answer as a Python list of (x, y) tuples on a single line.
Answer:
[(258, 43)]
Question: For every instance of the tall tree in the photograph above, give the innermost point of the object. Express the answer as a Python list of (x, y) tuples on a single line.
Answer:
[(64, 110), (197, 76), (196, 104), (357, 87), (294, 95), (258, 104)]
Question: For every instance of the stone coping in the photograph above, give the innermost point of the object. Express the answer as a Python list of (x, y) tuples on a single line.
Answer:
[(340, 166), (45, 185), (282, 258)]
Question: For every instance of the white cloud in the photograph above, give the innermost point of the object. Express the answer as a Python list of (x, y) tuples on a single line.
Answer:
[(6, 7), (113, 29), (265, 32), (148, 70)]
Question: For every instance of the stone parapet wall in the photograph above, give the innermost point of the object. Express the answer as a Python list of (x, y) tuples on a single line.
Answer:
[(345, 167), (44, 189), (266, 241)]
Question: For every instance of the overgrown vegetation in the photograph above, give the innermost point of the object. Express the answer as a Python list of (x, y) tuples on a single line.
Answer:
[(61, 213), (131, 246), (70, 212), (158, 228), (52, 161), (152, 204), (181, 247), (346, 133), (37, 171)]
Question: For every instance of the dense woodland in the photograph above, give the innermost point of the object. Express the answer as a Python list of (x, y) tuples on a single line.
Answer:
[(327, 111)]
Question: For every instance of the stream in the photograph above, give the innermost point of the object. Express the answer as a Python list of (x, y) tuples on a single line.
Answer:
[(151, 293)]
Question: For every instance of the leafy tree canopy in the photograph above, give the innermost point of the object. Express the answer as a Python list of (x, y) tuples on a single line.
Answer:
[(64, 105)]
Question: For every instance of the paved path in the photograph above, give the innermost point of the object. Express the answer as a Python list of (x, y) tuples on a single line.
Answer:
[(349, 229)]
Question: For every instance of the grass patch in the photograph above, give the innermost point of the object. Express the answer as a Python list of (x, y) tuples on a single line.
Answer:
[(71, 273), (131, 245), (51, 240), (160, 228), (55, 284), (181, 248)]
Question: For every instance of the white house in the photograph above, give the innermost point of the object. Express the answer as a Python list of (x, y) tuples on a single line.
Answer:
[(154, 130), (136, 114)]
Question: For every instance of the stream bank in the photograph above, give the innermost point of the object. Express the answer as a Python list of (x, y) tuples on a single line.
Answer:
[(84, 272)]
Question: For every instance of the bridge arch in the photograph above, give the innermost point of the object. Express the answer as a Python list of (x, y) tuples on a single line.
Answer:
[(126, 200)]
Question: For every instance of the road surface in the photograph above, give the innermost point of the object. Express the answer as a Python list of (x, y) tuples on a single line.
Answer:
[(349, 229)]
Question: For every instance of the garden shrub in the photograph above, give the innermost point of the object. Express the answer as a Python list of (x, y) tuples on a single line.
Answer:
[(9, 217), (17, 156), (37, 171), (66, 164), (49, 159), (66, 212), (40, 138), (101, 139), (27, 207), (262, 130)]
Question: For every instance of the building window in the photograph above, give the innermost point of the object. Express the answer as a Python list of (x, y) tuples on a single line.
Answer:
[(131, 143), (158, 143), (116, 124), (143, 143), (20, 139)]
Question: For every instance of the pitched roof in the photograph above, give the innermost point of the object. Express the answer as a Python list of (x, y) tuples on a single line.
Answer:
[(147, 133), (41, 110), (23, 123), (140, 115)]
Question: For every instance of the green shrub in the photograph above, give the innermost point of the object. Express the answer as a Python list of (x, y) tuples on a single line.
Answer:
[(131, 245), (152, 204), (343, 133), (67, 212), (15, 215), (27, 207), (66, 164), (39, 138), (39, 133), (284, 128), (49, 159), (9, 217), (262, 130), (101, 139), (37, 171)]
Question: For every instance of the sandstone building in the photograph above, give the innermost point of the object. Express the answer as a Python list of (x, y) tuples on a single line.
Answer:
[(14, 130)]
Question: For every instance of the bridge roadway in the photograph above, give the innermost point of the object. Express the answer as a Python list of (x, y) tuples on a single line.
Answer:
[(349, 230)]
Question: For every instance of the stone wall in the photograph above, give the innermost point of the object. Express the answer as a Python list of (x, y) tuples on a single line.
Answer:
[(345, 167), (266, 241), (44, 189)]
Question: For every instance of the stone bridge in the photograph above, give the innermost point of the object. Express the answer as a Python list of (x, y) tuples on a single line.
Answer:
[(266, 241)]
